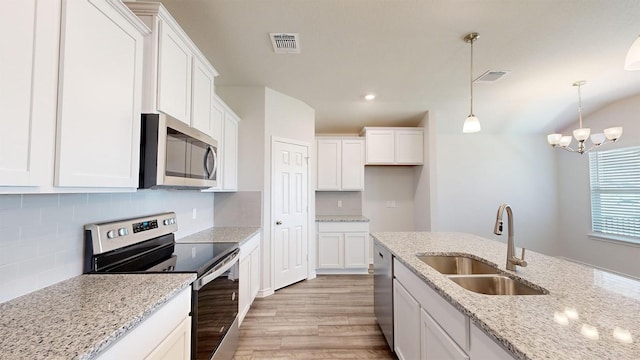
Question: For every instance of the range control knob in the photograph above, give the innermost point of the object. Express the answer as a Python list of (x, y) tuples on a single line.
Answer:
[(123, 231), (172, 221), (165, 222), (111, 234)]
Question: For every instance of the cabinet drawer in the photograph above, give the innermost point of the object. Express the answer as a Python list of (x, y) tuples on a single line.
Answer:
[(359, 226), (449, 318)]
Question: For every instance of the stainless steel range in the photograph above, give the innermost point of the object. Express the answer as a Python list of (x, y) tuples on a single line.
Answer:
[(147, 244)]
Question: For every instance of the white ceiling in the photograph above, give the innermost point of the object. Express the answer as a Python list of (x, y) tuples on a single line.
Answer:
[(411, 54)]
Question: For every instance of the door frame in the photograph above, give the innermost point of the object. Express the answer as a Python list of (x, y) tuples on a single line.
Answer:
[(272, 220)]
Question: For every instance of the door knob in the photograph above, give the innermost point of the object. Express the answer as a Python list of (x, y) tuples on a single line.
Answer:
[(278, 222)]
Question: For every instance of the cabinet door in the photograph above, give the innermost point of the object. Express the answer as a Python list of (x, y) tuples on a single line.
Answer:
[(330, 250), (28, 90), (99, 95), (176, 346), (406, 323), (329, 164), (229, 175), (201, 97), (174, 74), (352, 167), (483, 347), (409, 146), (244, 291), (356, 250), (436, 343), (255, 273), (380, 147)]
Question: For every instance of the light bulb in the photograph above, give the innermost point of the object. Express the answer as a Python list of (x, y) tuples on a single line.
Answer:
[(581, 134), (554, 139), (471, 125), (597, 139), (565, 141), (613, 133)]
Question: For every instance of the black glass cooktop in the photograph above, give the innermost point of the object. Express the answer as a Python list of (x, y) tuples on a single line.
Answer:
[(200, 257)]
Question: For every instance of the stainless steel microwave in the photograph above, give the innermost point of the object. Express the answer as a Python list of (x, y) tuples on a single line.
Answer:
[(174, 155)]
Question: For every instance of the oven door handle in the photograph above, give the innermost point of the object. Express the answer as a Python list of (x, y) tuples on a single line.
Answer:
[(220, 269)]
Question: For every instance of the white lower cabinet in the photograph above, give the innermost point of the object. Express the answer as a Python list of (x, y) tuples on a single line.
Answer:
[(406, 323), (249, 275), (428, 327), (483, 347), (435, 342), (343, 247), (165, 334)]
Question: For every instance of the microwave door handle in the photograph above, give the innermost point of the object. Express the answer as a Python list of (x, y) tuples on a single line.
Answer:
[(206, 162), (210, 152)]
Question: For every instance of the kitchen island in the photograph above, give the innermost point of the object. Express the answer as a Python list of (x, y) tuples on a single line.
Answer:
[(587, 313)]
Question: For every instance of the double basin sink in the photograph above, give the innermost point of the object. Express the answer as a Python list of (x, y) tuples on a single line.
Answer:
[(478, 276)]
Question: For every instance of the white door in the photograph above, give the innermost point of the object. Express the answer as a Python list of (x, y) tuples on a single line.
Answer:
[(290, 219)]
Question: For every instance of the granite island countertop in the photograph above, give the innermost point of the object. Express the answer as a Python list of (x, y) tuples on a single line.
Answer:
[(341, 218), (535, 327), (79, 317), (221, 234)]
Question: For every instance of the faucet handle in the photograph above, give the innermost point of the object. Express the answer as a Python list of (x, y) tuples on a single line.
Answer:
[(522, 262)]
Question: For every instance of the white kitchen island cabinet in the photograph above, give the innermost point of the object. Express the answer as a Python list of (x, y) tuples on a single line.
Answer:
[(99, 99), (340, 164), (178, 79), (343, 247), (29, 74), (394, 146), (166, 334)]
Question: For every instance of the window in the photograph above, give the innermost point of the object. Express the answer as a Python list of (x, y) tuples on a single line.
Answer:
[(615, 193)]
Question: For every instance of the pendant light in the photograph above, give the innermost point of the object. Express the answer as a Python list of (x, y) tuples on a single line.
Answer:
[(471, 124), (582, 134), (632, 62)]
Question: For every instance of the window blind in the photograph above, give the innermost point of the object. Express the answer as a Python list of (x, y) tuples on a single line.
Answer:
[(615, 191)]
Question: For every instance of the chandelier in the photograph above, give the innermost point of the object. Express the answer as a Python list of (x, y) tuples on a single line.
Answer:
[(582, 134)]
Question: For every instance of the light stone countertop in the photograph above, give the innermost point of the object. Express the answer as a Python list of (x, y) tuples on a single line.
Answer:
[(221, 234), (531, 326), (79, 317), (341, 218)]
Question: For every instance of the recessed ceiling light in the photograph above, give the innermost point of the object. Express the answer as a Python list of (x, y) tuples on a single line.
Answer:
[(370, 97)]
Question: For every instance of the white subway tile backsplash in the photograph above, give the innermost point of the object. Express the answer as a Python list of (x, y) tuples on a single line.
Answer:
[(42, 236)]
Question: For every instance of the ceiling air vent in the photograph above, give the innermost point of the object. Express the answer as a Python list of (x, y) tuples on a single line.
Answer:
[(285, 43), (490, 76)]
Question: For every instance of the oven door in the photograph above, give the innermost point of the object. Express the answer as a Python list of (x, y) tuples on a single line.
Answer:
[(215, 310)]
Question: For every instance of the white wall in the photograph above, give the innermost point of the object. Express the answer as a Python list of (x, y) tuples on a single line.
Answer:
[(383, 184), (423, 174), (574, 195), (42, 238), (475, 173)]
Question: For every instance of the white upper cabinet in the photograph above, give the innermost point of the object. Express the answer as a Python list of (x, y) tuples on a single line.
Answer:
[(174, 74), (340, 164), (202, 97), (99, 99), (394, 146), (28, 89), (178, 80), (224, 128)]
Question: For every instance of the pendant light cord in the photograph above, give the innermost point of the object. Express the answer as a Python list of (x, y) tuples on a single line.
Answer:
[(580, 104), (471, 77)]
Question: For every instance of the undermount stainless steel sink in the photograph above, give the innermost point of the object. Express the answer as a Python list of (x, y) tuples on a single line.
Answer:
[(457, 265), (495, 285)]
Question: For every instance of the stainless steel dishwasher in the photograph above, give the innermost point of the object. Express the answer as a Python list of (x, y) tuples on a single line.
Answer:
[(383, 290)]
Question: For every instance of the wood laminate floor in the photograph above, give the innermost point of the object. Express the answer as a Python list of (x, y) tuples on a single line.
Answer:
[(330, 317)]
